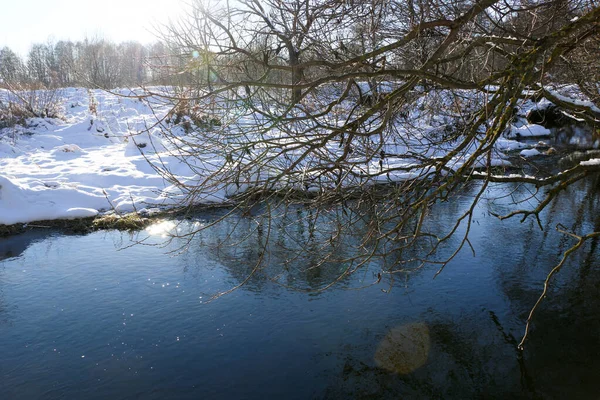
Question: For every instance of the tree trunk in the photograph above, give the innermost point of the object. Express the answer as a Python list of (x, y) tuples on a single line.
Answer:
[(297, 74)]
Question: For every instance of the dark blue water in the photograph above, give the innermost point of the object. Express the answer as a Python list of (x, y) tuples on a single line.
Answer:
[(95, 317)]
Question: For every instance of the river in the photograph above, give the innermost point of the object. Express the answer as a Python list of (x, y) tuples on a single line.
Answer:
[(98, 316)]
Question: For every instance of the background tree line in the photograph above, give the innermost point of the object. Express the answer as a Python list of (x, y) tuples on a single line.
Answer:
[(300, 41), (91, 63)]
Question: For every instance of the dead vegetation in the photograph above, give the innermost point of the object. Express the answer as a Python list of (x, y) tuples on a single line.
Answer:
[(129, 222)]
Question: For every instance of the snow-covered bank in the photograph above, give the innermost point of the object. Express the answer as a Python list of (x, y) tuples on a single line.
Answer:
[(84, 164), (103, 153)]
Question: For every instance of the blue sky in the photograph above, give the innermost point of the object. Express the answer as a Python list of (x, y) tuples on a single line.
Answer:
[(23, 22)]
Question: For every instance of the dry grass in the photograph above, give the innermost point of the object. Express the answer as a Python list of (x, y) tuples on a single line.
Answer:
[(129, 222)]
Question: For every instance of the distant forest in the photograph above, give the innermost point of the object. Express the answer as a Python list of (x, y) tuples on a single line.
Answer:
[(92, 63)]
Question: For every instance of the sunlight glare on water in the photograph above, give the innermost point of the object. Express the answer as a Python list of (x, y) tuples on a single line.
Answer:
[(161, 229)]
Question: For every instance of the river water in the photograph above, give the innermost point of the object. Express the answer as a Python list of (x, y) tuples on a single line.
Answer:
[(97, 317)]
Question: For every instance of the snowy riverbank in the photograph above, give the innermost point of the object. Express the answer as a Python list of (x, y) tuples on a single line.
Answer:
[(82, 164), (95, 159)]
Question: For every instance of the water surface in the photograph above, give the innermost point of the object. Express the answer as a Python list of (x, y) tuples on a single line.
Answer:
[(96, 317)]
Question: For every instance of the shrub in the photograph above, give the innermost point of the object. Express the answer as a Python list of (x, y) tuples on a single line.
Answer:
[(190, 115), (18, 105)]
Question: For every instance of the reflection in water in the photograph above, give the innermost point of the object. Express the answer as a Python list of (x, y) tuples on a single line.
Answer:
[(311, 250), (582, 136), (14, 246)]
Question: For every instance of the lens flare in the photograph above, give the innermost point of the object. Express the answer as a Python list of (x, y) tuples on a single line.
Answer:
[(404, 349)]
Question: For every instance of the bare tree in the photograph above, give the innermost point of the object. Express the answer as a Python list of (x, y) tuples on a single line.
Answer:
[(64, 52), (39, 64), (370, 113), (12, 68)]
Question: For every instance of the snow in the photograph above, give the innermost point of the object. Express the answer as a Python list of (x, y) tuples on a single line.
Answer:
[(528, 130), (73, 168), (571, 90), (530, 153), (509, 145), (21, 203), (591, 162)]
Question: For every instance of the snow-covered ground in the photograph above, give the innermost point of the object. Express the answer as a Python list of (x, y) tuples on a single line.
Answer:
[(91, 161), (83, 164)]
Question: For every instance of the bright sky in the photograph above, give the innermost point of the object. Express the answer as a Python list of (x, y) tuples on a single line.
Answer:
[(24, 22)]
